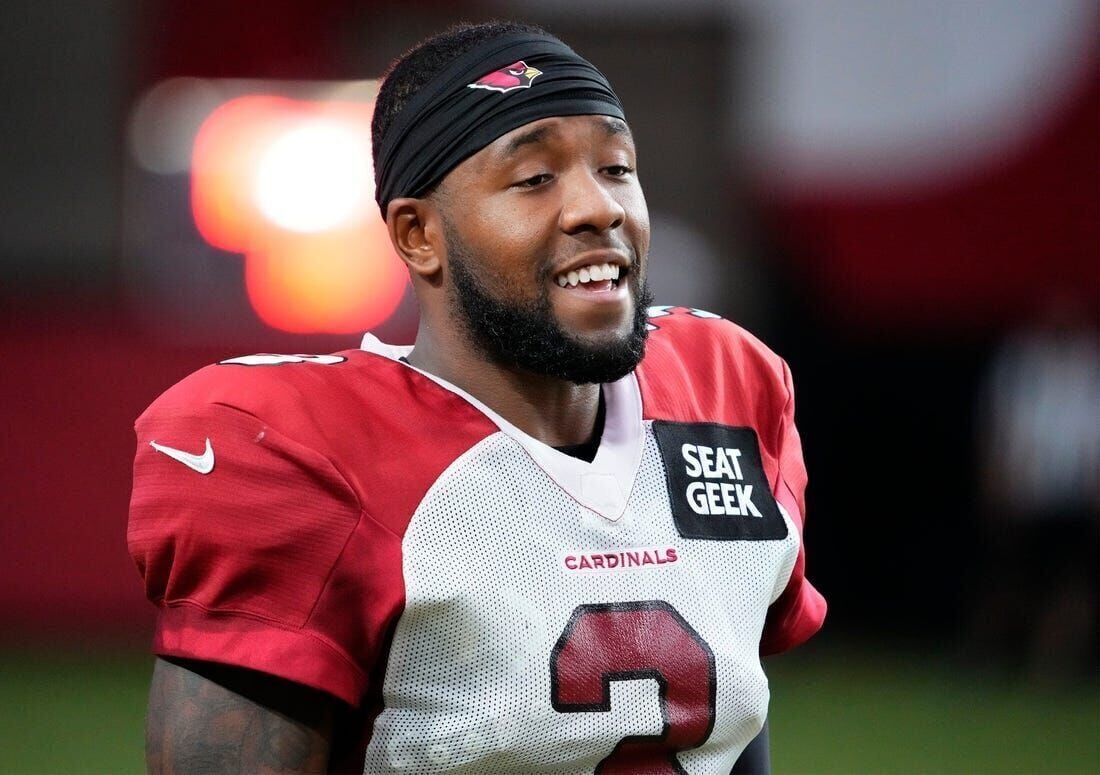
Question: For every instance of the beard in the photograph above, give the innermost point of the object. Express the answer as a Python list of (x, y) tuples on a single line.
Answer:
[(526, 335)]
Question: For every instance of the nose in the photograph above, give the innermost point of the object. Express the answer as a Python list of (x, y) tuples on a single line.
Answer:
[(589, 205)]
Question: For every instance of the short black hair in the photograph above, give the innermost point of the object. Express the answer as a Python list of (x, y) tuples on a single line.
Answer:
[(409, 73)]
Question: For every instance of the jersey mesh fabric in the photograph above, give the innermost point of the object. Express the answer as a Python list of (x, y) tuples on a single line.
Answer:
[(488, 595)]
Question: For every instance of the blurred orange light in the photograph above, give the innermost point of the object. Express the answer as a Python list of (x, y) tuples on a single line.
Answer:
[(317, 282), (288, 184)]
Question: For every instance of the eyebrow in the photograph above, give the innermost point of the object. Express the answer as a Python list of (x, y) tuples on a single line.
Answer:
[(533, 137)]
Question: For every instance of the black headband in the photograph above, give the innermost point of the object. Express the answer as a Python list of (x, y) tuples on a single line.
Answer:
[(476, 100)]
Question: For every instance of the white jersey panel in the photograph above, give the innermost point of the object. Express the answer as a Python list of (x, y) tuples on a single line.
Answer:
[(508, 609)]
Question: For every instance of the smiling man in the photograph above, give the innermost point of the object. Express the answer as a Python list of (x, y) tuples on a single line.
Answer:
[(555, 535)]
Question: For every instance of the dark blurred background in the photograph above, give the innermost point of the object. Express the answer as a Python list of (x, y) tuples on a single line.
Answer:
[(902, 198)]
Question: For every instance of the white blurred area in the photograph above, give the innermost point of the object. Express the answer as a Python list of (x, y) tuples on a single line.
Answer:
[(870, 94), (165, 119), (861, 94), (315, 177)]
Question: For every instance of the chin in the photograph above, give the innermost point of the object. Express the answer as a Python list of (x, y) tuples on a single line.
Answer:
[(600, 338), (595, 323)]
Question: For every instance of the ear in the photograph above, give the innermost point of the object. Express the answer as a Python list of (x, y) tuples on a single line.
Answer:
[(416, 232)]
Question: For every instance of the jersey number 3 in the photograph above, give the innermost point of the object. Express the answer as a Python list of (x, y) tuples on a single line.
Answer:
[(630, 641)]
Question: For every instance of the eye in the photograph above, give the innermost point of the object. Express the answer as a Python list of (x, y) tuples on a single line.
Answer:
[(534, 181), (618, 170)]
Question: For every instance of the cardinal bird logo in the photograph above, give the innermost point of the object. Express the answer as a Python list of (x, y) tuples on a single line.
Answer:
[(515, 76)]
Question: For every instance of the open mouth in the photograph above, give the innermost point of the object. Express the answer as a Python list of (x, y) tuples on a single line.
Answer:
[(593, 278)]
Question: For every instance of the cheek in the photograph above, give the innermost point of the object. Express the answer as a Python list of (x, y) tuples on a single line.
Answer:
[(638, 217), (510, 229), (513, 235), (505, 249)]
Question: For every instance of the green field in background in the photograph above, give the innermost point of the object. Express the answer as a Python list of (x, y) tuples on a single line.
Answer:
[(834, 711), (851, 711)]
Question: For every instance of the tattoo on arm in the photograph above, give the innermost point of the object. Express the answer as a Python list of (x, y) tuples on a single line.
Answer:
[(208, 718)]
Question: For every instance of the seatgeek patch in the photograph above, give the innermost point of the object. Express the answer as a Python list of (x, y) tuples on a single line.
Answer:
[(717, 484)]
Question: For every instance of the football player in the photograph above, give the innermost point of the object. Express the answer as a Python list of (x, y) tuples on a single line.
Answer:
[(554, 535)]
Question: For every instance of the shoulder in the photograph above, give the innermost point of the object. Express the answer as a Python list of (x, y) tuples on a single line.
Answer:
[(354, 427), (268, 384), (361, 419), (699, 367), (312, 398), (262, 418)]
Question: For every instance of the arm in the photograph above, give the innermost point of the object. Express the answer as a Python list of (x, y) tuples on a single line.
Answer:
[(209, 718)]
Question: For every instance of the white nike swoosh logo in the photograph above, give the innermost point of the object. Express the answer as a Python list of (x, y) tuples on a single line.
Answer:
[(203, 463)]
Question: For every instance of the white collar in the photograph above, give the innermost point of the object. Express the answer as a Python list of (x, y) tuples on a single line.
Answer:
[(604, 485)]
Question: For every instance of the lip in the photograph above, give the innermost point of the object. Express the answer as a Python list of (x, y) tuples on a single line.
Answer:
[(599, 256)]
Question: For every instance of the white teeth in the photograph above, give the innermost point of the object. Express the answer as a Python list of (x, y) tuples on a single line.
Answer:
[(593, 273)]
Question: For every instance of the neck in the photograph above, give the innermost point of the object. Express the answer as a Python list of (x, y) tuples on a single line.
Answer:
[(554, 411)]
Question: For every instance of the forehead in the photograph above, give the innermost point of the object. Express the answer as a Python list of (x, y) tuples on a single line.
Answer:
[(555, 131)]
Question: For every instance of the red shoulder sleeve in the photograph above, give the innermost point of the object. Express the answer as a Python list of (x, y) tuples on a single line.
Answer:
[(700, 368), (238, 558), (800, 610)]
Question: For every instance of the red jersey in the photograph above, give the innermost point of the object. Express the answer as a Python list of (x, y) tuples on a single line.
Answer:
[(489, 603)]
